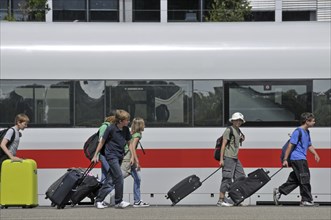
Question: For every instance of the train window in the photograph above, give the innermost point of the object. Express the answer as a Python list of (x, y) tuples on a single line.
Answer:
[(160, 103), (208, 102), (45, 102), (322, 102), (89, 103), (268, 103)]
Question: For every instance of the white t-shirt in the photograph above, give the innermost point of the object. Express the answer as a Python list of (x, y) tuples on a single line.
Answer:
[(13, 147)]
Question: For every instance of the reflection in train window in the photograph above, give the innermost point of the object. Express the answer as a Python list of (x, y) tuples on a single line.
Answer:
[(208, 102), (89, 103), (271, 101), (322, 102), (158, 102), (45, 102)]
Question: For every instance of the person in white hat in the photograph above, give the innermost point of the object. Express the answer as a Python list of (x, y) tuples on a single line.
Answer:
[(232, 168)]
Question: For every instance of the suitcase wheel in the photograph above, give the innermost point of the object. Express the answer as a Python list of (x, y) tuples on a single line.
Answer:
[(53, 204), (60, 207)]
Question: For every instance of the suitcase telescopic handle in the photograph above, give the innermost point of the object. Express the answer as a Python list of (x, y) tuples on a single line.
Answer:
[(276, 172), (211, 174), (86, 172)]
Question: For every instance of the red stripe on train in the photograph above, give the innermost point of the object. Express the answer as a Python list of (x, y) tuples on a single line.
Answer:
[(171, 158)]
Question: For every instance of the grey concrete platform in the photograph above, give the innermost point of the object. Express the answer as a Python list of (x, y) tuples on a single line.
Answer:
[(170, 213)]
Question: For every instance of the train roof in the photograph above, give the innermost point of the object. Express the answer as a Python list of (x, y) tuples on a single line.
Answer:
[(249, 50)]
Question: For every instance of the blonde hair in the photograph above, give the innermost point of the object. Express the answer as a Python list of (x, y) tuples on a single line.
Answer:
[(121, 115), (21, 118), (110, 119), (138, 125)]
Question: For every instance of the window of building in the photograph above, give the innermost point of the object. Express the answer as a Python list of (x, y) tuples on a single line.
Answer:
[(208, 102), (261, 16), (45, 102), (299, 16), (268, 103), (183, 11), (104, 10), (322, 102), (146, 11), (69, 10)]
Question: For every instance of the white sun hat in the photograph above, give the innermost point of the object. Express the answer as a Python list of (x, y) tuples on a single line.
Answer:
[(237, 116)]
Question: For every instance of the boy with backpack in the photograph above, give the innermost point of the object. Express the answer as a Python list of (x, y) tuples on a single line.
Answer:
[(232, 168), (11, 140), (296, 152), (115, 137)]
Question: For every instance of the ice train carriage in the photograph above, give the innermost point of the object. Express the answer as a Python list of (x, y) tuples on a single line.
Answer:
[(185, 80)]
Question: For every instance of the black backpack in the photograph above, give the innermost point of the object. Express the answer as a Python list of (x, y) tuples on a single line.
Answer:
[(2, 135), (90, 145), (219, 141), (286, 145)]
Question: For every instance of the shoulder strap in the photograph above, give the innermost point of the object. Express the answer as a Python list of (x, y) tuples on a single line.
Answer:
[(231, 131), (141, 146), (12, 137), (300, 135)]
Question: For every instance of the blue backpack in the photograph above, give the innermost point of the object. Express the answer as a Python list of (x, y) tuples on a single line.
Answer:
[(286, 145)]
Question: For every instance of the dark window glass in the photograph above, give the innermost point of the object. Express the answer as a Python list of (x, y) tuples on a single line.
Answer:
[(322, 102), (104, 16), (104, 10), (268, 103), (146, 10), (158, 102), (208, 103), (184, 10), (261, 16), (69, 10), (104, 4), (45, 102), (89, 103), (299, 16), (3, 9)]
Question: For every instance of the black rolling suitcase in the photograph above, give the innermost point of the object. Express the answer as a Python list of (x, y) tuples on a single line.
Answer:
[(185, 187), (88, 188), (247, 186), (61, 190)]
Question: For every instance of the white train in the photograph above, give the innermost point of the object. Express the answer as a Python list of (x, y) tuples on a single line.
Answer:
[(185, 80)]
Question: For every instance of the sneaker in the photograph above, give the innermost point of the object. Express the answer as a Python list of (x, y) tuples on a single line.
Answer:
[(221, 203), (306, 203), (226, 204), (100, 205), (140, 204), (276, 196), (122, 205)]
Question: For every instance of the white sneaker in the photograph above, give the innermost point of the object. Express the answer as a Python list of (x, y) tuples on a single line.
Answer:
[(122, 205), (226, 204), (140, 204), (306, 203), (221, 203), (100, 205)]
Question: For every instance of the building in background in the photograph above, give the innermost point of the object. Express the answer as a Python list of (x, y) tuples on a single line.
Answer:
[(169, 10)]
